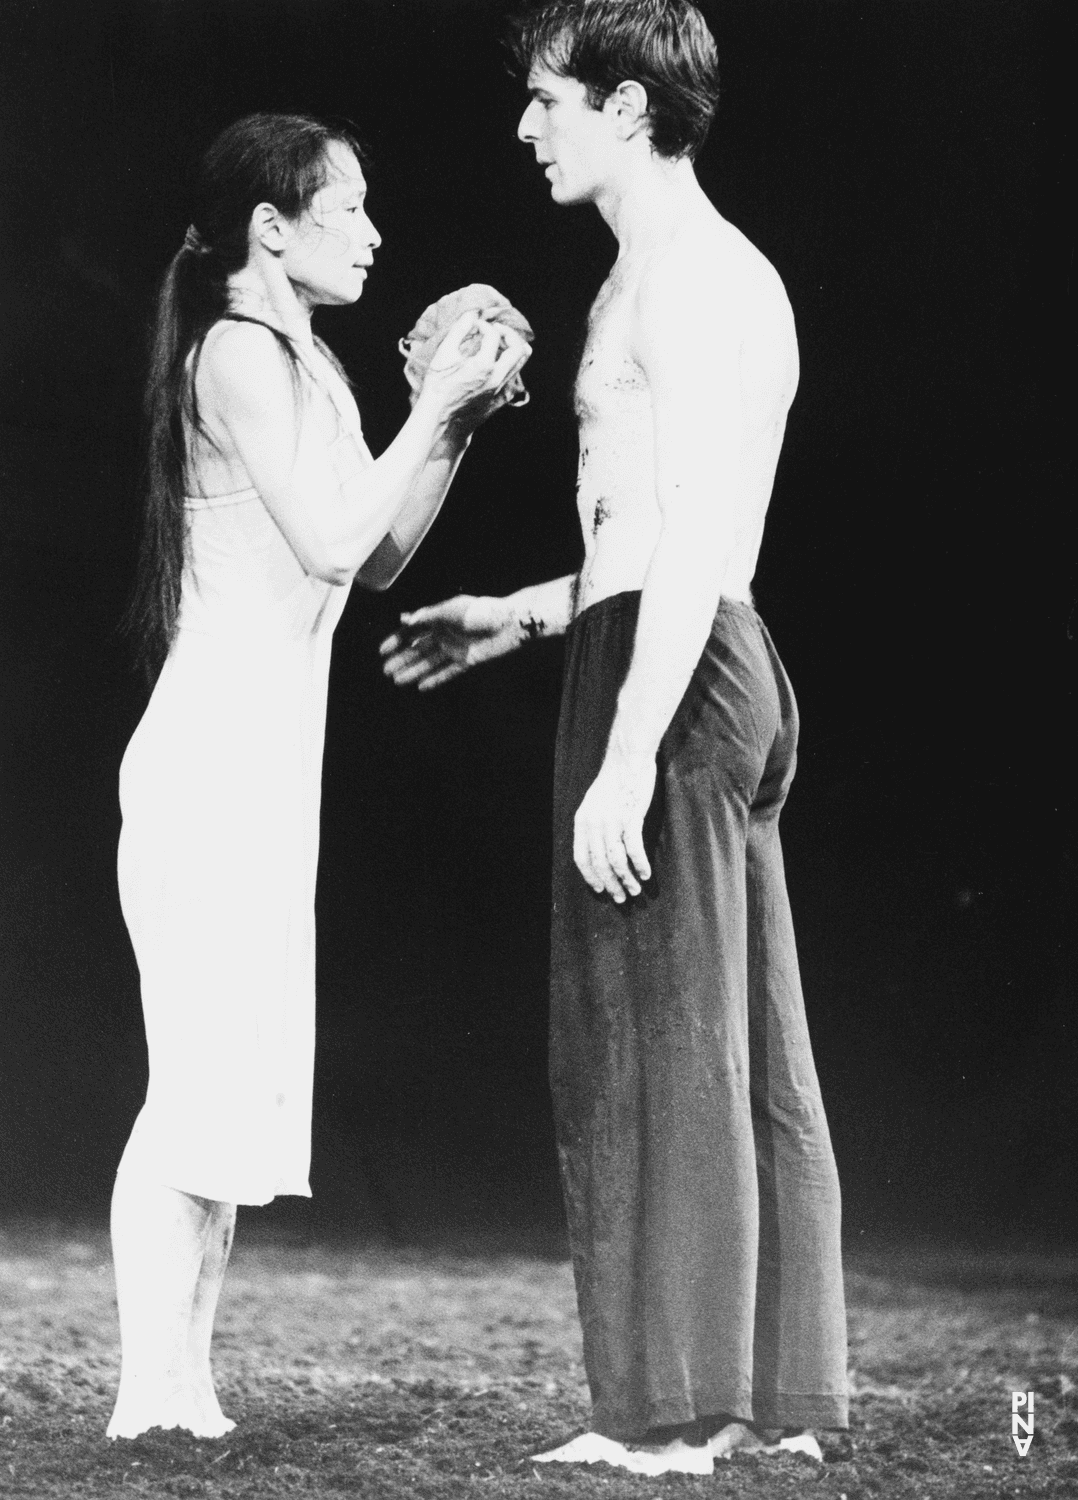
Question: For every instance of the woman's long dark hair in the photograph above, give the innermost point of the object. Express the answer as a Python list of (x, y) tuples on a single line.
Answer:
[(264, 158)]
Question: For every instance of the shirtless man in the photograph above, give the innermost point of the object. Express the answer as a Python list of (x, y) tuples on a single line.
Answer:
[(700, 1186)]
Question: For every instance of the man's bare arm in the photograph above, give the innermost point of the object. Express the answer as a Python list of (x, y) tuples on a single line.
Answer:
[(692, 363), (439, 642), (690, 355)]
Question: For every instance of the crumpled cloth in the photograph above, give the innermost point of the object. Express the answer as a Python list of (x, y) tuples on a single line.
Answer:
[(419, 346)]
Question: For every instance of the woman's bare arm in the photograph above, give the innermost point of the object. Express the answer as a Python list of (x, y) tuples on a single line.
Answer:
[(334, 522), (417, 515)]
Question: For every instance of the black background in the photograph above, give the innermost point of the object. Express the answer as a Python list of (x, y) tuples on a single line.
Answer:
[(902, 166)]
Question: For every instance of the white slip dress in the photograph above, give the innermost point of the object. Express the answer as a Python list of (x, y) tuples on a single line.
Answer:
[(220, 790)]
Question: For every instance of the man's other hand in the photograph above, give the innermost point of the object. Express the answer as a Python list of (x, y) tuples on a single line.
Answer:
[(608, 840)]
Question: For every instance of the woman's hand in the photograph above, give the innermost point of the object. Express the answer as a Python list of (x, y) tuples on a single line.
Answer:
[(471, 368), (439, 642)]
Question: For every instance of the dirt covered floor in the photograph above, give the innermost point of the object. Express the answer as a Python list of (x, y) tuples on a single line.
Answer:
[(400, 1376)]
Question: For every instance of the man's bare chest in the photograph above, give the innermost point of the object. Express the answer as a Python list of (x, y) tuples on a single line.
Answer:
[(609, 369)]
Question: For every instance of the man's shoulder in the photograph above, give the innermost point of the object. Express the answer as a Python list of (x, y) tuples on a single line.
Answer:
[(709, 304), (710, 264)]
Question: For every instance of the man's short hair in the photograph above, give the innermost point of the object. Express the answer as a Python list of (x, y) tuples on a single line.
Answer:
[(664, 45)]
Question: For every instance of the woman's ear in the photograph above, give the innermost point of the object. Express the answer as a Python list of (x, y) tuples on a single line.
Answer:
[(270, 228)]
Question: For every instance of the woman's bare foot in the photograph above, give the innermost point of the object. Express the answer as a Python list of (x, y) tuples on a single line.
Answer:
[(206, 1410), (177, 1407), (191, 1405), (137, 1412)]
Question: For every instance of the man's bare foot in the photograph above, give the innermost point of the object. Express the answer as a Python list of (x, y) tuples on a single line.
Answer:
[(789, 1440), (683, 1450), (588, 1448), (673, 1457), (799, 1442), (743, 1437), (734, 1437)]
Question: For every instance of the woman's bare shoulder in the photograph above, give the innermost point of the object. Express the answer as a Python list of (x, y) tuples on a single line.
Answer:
[(243, 365), (233, 347)]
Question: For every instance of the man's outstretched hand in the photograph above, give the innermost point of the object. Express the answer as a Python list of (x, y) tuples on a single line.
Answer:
[(439, 642), (608, 831)]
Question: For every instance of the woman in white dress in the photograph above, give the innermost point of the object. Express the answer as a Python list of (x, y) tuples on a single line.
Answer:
[(263, 505)]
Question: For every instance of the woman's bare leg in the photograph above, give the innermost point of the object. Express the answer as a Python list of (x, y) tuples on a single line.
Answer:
[(218, 1246), (160, 1246)]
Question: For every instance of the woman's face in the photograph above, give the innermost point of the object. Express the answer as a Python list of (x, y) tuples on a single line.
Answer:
[(332, 245)]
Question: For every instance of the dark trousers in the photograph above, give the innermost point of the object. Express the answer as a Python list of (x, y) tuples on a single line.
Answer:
[(699, 1181)]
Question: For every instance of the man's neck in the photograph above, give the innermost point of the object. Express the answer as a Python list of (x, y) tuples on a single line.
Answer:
[(650, 202)]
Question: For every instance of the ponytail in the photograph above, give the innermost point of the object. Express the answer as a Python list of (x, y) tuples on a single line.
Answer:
[(189, 302)]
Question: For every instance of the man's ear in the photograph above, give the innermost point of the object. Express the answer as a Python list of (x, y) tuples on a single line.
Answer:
[(630, 105), (270, 228)]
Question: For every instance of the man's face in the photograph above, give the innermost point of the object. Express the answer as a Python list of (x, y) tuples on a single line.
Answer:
[(572, 141)]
